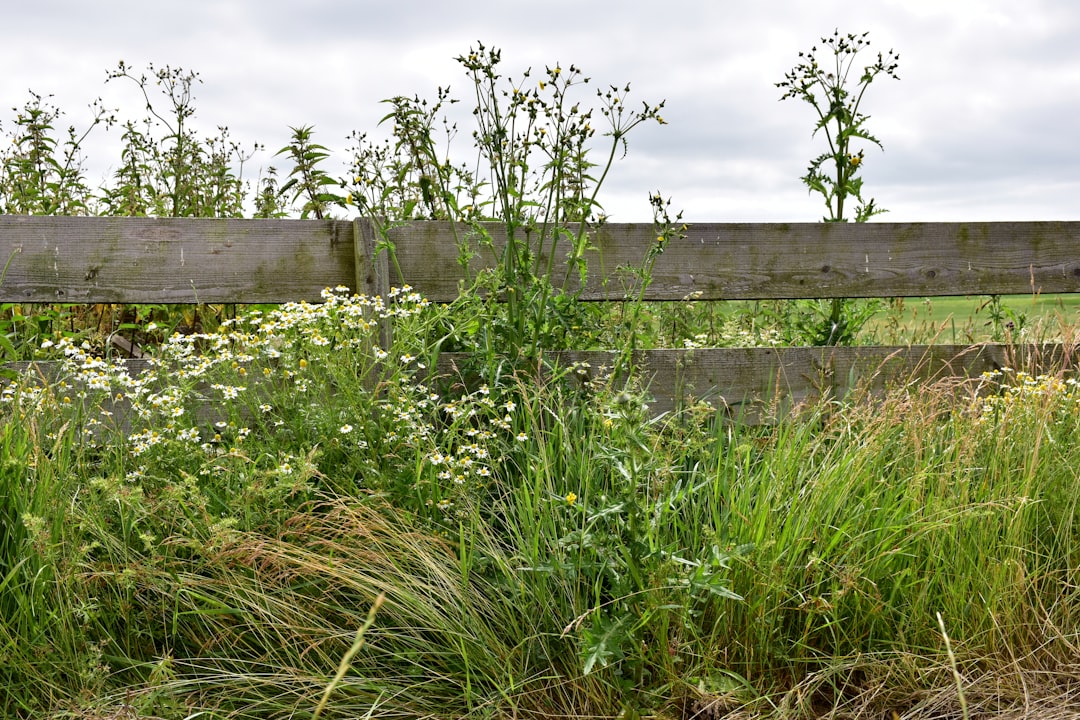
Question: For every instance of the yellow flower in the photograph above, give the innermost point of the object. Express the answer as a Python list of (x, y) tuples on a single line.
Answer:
[(661, 239), (571, 498)]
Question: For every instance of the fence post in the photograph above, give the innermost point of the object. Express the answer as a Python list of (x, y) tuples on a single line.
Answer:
[(372, 270)]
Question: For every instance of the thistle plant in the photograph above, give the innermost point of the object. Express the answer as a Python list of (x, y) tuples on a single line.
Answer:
[(826, 83), (836, 98), (534, 179), (666, 228)]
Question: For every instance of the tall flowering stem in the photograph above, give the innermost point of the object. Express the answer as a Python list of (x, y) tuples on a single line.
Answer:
[(826, 85)]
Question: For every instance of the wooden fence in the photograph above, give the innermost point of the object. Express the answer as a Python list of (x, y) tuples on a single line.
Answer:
[(144, 260)]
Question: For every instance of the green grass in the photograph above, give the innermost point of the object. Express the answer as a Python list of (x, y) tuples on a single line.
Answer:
[(938, 320), (962, 320), (540, 548)]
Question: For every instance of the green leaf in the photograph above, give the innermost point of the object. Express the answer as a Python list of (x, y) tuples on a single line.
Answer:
[(7, 348), (602, 643)]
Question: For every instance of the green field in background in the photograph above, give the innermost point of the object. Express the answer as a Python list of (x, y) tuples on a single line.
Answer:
[(971, 318)]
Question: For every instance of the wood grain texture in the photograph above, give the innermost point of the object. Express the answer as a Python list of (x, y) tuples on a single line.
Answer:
[(144, 260), (147, 260), (779, 260), (759, 383)]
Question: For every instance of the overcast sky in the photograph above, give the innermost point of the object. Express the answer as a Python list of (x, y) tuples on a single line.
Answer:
[(981, 126)]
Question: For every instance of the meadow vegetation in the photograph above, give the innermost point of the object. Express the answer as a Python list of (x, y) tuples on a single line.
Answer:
[(285, 513)]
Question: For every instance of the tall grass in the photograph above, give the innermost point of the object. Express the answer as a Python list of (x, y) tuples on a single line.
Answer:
[(545, 546)]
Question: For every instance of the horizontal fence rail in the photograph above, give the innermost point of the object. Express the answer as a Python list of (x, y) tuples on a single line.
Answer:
[(174, 260), (758, 384), (145, 260)]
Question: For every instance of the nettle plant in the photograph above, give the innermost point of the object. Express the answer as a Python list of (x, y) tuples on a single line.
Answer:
[(824, 80), (168, 168), (41, 172), (308, 184), (533, 182)]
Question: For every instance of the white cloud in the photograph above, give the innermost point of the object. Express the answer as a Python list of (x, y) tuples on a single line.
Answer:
[(980, 126)]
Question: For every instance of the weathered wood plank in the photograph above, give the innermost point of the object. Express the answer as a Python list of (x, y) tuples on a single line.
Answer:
[(86, 260), (800, 260), (757, 384), (147, 260)]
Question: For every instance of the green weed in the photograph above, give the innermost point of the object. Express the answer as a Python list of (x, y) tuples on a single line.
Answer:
[(827, 85), (528, 198)]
